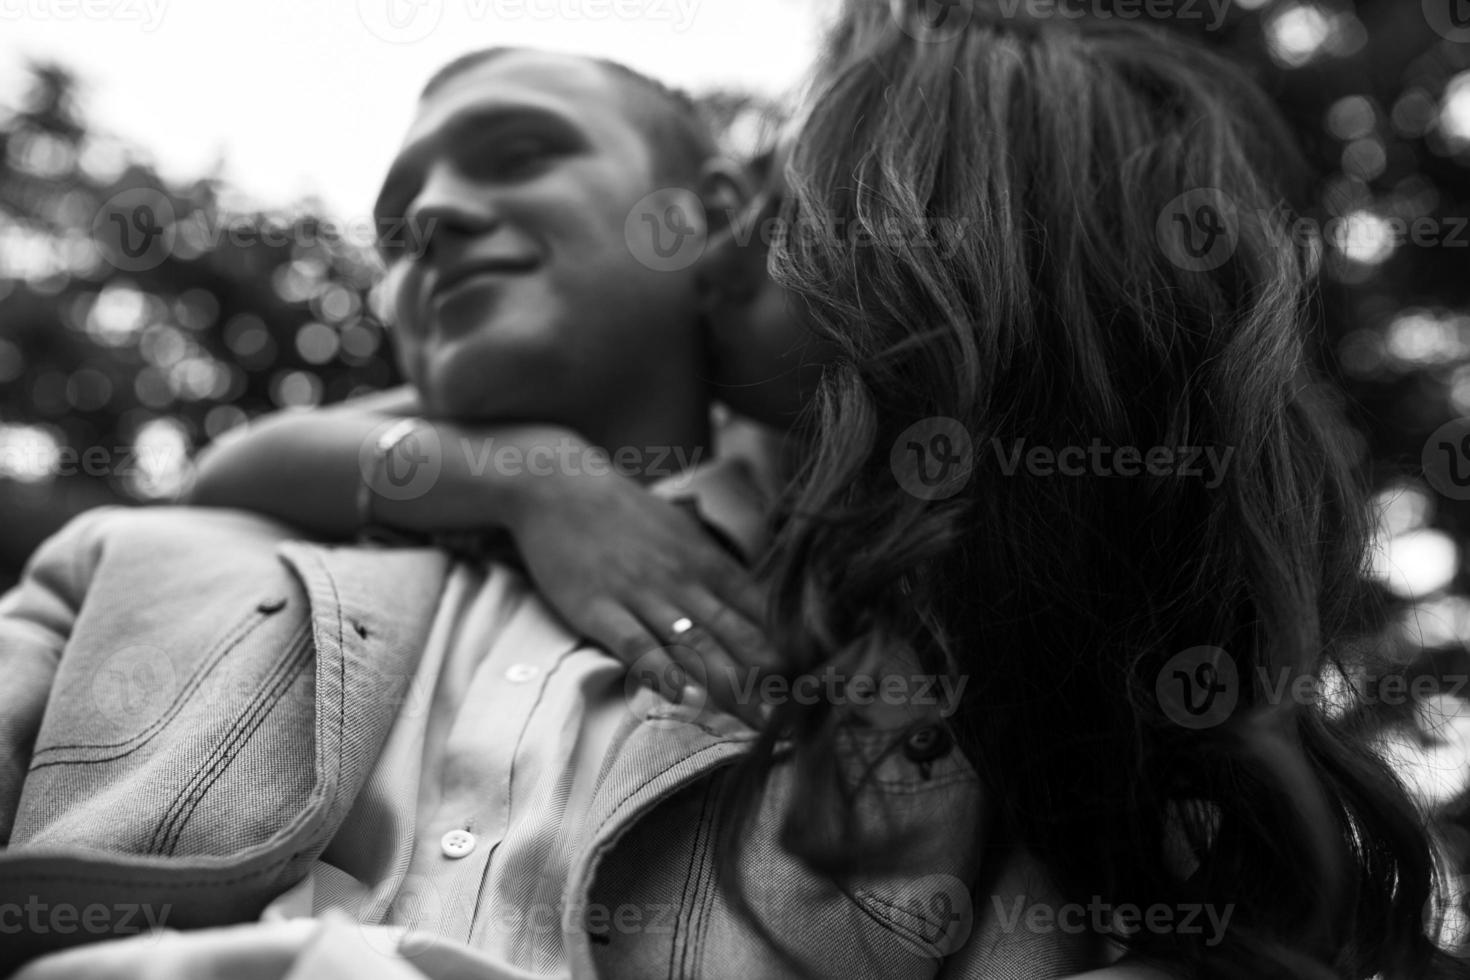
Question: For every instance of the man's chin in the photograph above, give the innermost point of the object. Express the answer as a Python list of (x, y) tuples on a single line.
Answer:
[(483, 398)]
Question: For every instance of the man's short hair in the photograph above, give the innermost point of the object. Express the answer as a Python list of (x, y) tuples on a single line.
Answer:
[(673, 123)]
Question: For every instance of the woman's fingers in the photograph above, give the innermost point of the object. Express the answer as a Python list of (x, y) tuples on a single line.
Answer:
[(744, 595), (719, 652), (624, 635), (738, 633), (735, 587)]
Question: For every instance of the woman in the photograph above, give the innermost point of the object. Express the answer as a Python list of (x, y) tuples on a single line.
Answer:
[(1074, 311)]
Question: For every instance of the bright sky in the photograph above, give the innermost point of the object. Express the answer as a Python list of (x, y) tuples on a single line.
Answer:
[(302, 98)]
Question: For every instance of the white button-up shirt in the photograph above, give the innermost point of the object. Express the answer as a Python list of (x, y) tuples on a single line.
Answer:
[(474, 812)]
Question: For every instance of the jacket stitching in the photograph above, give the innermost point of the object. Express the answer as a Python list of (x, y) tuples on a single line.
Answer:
[(711, 888), (685, 933), (263, 710), (335, 777), (233, 638), (220, 749), (243, 730), (90, 880), (680, 920), (617, 810), (889, 911)]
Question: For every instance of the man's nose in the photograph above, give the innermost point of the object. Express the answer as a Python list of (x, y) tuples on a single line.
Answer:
[(449, 208)]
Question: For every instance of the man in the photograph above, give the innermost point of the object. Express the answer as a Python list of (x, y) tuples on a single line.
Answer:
[(536, 816)]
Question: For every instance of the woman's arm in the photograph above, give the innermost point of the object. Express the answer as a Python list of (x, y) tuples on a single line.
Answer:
[(617, 562), (307, 468)]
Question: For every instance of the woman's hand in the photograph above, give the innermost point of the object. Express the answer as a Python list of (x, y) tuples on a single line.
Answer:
[(623, 566), (619, 564)]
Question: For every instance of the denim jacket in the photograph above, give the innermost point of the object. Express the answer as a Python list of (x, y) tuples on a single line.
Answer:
[(191, 701)]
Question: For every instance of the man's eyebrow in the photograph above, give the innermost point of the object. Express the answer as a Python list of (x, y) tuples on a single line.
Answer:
[(474, 120)]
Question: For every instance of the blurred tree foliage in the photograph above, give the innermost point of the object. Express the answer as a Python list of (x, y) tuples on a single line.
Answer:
[(1378, 92), (147, 338), (128, 340)]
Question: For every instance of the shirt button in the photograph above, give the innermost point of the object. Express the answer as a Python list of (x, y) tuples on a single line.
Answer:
[(520, 673), (457, 843)]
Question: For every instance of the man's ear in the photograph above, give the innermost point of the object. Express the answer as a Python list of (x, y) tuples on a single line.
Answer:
[(728, 193)]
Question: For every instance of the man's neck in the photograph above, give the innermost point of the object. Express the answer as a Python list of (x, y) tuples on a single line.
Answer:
[(651, 445)]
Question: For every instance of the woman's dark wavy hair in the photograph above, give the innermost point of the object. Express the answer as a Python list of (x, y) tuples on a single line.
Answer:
[(1058, 317)]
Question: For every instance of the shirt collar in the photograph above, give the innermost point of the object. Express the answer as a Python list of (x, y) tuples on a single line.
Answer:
[(727, 495)]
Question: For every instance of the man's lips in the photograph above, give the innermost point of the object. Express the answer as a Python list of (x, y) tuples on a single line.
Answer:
[(459, 275)]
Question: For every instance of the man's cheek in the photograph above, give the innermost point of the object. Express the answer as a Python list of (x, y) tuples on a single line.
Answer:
[(394, 299)]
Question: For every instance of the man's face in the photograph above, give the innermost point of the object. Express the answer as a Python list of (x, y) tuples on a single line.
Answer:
[(522, 299), (768, 358)]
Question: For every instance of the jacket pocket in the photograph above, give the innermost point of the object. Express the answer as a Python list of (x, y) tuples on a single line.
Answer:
[(109, 703), (229, 730)]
